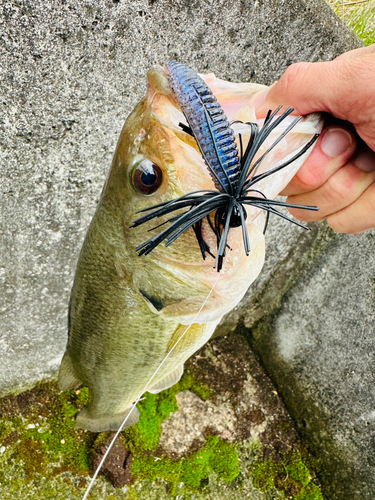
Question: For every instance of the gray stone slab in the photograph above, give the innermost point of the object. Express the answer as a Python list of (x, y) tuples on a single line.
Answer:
[(319, 350)]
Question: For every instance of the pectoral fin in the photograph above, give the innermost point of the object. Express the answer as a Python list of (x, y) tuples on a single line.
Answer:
[(67, 377), (167, 381), (189, 335)]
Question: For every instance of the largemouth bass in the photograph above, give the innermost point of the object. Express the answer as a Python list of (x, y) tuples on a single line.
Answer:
[(127, 311)]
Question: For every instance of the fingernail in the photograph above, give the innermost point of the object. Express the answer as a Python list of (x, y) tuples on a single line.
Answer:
[(259, 99), (365, 160), (336, 141)]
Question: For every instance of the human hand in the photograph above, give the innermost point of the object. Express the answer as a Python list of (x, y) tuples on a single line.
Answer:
[(339, 174)]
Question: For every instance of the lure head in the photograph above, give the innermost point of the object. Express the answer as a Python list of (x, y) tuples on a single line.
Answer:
[(157, 161), (235, 218)]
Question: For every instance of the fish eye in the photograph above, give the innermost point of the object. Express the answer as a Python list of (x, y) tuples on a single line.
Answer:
[(147, 177)]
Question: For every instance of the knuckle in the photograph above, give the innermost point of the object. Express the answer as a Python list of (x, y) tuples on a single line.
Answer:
[(370, 199), (337, 224), (293, 75), (352, 73), (338, 188)]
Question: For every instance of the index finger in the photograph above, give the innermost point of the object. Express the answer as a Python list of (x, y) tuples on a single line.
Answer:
[(340, 87), (332, 150)]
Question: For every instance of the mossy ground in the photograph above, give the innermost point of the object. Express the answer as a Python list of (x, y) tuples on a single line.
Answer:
[(157, 407), (193, 471), (290, 474), (44, 456), (39, 442)]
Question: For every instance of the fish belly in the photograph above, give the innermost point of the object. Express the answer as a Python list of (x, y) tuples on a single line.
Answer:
[(116, 343)]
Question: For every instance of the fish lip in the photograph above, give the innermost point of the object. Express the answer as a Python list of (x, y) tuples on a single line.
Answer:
[(172, 126)]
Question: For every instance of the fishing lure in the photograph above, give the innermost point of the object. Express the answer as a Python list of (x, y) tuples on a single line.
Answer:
[(233, 172)]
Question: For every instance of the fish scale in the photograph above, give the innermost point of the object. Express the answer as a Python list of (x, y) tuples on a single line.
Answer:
[(196, 101)]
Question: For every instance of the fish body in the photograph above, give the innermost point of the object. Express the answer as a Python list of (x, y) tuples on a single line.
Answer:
[(126, 312)]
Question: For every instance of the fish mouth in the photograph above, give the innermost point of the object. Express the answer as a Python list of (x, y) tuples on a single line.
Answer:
[(235, 99), (172, 109)]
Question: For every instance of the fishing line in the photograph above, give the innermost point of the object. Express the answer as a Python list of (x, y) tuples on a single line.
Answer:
[(144, 390)]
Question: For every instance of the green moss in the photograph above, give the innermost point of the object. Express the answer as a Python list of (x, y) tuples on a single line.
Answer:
[(264, 475), (3, 430), (223, 459), (189, 383), (33, 457), (310, 492), (217, 456), (59, 438), (43, 434), (80, 398), (155, 408), (299, 472), (290, 475)]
